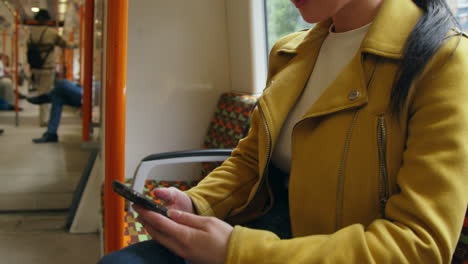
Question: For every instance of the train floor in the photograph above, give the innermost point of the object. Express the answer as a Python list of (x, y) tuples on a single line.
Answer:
[(37, 186)]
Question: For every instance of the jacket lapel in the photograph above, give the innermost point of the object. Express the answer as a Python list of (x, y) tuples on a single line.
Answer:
[(285, 88), (384, 39), (348, 90)]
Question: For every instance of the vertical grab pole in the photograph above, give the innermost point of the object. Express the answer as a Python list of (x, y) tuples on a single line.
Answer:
[(11, 61), (116, 77), (88, 69), (80, 81), (16, 67), (4, 43), (69, 58), (12, 52), (59, 59)]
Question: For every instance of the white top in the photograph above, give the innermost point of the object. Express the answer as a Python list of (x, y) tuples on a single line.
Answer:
[(336, 52)]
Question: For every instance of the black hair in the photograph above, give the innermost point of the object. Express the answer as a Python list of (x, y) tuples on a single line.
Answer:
[(426, 38), (42, 14)]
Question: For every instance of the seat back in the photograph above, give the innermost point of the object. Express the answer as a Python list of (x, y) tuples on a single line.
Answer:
[(229, 124)]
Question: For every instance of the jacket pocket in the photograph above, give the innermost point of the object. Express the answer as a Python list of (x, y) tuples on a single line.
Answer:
[(384, 192)]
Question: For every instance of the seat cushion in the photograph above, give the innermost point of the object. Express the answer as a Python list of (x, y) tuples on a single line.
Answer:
[(134, 231)]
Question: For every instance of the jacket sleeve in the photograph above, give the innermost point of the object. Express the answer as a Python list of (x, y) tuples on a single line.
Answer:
[(61, 42), (229, 185), (423, 220), (227, 188)]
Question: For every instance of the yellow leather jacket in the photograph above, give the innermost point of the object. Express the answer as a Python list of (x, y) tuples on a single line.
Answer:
[(364, 187)]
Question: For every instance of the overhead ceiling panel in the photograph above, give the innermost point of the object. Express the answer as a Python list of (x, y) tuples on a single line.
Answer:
[(6, 17), (24, 7)]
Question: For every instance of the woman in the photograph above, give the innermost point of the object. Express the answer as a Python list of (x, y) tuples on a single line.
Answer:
[(367, 114)]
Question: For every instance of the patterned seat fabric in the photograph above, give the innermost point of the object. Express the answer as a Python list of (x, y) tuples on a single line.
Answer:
[(461, 253), (229, 124)]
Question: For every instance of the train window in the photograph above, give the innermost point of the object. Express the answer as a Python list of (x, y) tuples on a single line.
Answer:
[(282, 18), (462, 13)]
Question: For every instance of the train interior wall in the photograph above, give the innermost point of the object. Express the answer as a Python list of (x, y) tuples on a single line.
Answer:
[(181, 57)]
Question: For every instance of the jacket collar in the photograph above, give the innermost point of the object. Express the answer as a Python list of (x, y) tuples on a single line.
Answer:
[(386, 37)]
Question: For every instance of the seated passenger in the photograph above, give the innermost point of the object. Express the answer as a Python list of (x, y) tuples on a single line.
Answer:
[(63, 93), (7, 94), (366, 118), (5, 106)]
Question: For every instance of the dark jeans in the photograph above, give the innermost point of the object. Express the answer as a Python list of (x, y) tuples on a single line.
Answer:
[(64, 93), (276, 220), (4, 105)]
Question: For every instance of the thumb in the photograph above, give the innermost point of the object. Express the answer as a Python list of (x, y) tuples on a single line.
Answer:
[(188, 219), (165, 194)]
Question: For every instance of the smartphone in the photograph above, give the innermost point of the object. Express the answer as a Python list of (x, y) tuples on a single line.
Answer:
[(138, 198)]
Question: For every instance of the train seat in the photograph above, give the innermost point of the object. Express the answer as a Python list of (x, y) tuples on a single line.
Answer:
[(461, 251), (229, 124)]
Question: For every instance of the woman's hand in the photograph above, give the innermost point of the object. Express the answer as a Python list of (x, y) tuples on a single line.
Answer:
[(174, 198), (199, 239)]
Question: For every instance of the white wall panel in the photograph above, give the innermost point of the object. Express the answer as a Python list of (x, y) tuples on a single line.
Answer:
[(177, 68)]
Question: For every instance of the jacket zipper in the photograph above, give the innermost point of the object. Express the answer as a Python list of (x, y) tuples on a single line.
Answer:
[(269, 143), (383, 173), (341, 170)]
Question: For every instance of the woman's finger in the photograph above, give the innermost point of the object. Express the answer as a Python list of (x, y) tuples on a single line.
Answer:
[(192, 220), (162, 238), (164, 224)]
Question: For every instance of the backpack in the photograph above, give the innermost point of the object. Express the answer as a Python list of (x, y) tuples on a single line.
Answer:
[(35, 59)]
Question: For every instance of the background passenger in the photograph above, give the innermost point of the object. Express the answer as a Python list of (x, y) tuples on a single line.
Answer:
[(7, 94), (64, 93), (365, 116), (44, 72)]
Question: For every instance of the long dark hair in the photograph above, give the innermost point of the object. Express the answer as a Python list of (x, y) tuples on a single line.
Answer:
[(426, 38)]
